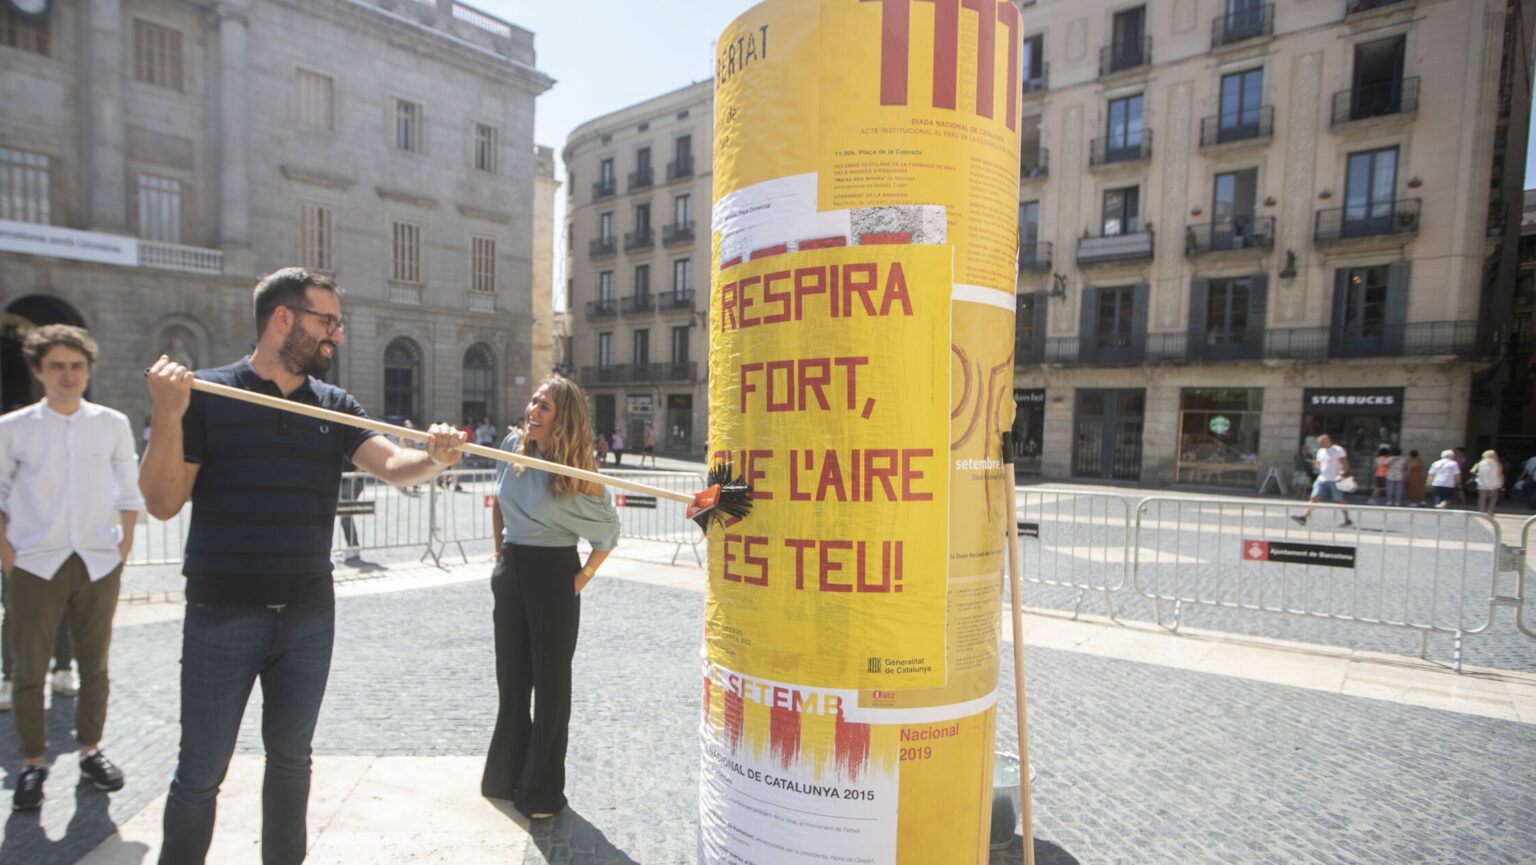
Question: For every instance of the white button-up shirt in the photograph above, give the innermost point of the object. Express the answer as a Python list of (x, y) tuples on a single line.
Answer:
[(62, 477)]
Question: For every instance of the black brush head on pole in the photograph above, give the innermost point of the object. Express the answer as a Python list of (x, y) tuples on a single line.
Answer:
[(724, 499)]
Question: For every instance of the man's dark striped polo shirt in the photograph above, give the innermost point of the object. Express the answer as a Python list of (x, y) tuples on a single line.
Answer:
[(264, 504)]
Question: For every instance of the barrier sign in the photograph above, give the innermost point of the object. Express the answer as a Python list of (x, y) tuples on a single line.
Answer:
[(1029, 530), (354, 508), (630, 500), (1298, 554)]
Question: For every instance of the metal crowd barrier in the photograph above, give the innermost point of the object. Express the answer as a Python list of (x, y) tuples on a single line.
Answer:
[(463, 501), (1425, 570), (1083, 543), (1522, 565), (652, 518), (450, 511)]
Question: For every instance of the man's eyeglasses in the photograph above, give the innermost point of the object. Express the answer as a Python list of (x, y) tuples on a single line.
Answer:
[(332, 323)]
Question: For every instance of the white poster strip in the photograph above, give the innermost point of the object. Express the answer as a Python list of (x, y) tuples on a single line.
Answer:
[(31, 238)]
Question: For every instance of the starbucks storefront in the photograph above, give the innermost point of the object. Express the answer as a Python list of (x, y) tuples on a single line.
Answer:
[(1359, 419), (1219, 437)]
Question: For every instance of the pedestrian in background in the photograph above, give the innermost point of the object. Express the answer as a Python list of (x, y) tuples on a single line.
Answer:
[(1528, 477), (1332, 465), (650, 445), (537, 584), (260, 600), (616, 442), (1379, 479), (1414, 479), (1445, 478), (1489, 474), (1302, 472), (1397, 475), (66, 465), (1462, 463)]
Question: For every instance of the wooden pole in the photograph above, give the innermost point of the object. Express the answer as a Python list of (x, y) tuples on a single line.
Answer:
[(423, 436), (1026, 804)]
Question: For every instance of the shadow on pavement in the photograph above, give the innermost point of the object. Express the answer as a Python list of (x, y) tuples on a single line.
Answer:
[(567, 838), (1046, 853), (26, 840)]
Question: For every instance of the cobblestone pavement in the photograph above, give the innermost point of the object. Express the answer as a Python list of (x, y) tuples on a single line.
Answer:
[(1137, 763)]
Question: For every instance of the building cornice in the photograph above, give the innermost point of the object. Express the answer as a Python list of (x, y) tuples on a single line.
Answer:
[(471, 212), (699, 92), (400, 196), (316, 178), (435, 44)]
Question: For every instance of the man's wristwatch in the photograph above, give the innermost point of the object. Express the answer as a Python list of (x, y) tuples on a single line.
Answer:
[(588, 572)]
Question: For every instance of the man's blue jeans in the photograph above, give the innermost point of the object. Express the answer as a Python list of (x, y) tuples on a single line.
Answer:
[(225, 649)]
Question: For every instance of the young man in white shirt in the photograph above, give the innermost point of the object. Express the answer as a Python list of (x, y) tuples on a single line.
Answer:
[(66, 465), (1332, 465)]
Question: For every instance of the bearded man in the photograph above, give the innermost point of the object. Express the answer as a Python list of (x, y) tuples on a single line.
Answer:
[(260, 603)]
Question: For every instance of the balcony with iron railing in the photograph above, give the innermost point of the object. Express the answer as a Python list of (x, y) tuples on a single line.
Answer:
[(1240, 25), (668, 301), (597, 309), (1121, 147), (638, 304), (1459, 339), (1035, 165), (625, 373), (676, 232), (1125, 56), (1108, 249), (640, 238), (1383, 99), (678, 169), (1229, 235), (1034, 84), (1257, 125), (641, 178), (1356, 7), (604, 189), (1368, 219), (602, 247), (1035, 257)]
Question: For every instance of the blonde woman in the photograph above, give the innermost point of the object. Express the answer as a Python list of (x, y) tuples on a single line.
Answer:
[(1490, 479), (537, 585)]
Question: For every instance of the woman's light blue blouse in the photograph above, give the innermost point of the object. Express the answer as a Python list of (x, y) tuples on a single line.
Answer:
[(533, 517)]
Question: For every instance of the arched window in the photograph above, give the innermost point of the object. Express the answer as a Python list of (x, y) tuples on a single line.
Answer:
[(402, 379), (479, 379)]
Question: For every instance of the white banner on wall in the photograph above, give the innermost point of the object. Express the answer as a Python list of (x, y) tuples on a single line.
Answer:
[(32, 238)]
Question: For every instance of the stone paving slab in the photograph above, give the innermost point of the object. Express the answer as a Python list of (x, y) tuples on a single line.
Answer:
[(1138, 762)]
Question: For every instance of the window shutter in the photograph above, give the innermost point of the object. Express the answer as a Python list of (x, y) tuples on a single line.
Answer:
[(1141, 301), (1396, 313), (1087, 330), (1258, 315), (1340, 291), (1037, 350), (1199, 299)]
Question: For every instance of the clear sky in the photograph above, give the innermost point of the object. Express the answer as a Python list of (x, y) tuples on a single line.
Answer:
[(608, 54)]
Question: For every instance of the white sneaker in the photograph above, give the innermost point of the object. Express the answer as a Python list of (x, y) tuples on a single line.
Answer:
[(5, 696), (64, 683)]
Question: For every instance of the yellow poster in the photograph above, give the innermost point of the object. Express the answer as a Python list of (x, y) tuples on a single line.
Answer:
[(837, 384), (861, 320)]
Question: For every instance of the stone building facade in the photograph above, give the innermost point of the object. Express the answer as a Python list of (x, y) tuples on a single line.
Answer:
[(637, 250), (157, 156), (1244, 223)]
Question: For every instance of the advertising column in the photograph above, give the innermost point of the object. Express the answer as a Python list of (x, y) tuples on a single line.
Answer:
[(861, 322)]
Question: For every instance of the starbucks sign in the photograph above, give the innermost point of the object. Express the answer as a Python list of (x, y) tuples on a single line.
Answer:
[(1220, 424)]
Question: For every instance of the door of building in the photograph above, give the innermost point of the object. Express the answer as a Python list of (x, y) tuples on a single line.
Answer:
[(1028, 429), (1107, 434)]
